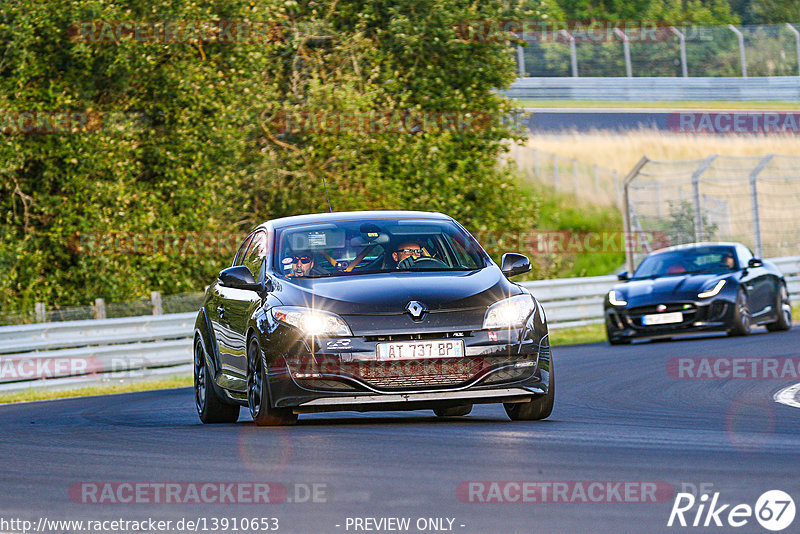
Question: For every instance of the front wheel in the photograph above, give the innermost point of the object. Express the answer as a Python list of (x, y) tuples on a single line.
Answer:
[(538, 408), (210, 407), (784, 307), (258, 394), (741, 315)]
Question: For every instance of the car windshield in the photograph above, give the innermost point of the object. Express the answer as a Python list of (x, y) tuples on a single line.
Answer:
[(368, 246), (713, 259)]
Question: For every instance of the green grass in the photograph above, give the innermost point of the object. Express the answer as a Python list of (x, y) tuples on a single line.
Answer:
[(563, 213), (593, 333), (671, 104), (36, 394)]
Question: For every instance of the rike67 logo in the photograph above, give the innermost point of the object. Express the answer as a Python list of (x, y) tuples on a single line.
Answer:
[(774, 510)]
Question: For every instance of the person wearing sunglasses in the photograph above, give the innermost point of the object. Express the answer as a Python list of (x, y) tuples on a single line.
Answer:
[(406, 250), (301, 265)]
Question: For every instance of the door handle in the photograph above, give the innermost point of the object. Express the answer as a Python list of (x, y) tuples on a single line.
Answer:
[(220, 310)]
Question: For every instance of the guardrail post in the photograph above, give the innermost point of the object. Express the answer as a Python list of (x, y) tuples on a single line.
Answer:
[(626, 49), (555, 171), (39, 312), (742, 57), (682, 40), (155, 300), (796, 43), (99, 308), (626, 212), (754, 202)]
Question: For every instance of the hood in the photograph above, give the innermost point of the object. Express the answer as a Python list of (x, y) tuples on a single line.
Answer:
[(684, 286), (391, 292)]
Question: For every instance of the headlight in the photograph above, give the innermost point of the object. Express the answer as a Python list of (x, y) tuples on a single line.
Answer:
[(509, 313), (311, 322), (713, 291), (612, 298)]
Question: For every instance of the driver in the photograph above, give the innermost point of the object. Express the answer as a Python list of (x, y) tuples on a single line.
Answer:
[(727, 260), (301, 265), (409, 249)]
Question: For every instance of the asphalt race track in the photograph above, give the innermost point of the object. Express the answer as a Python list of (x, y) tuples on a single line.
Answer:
[(619, 417)]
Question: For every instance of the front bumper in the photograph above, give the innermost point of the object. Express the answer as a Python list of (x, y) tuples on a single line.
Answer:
[(323, 374), (712, 315)]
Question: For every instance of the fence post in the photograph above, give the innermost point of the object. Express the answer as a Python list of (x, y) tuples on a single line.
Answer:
[(699, 231), (537, 170), (573, 53), (754, 202), (682, 40), (555, 171), (626, 49), (39, 312), (658, 199), (796, 43), (742, 57), (575, 176), (155, 300), (626, 212), (520, 61), (99, 308)]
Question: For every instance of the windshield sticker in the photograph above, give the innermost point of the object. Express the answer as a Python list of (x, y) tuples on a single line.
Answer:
[(317, 239)]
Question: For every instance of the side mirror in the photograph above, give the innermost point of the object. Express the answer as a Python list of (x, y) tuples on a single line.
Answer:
[(514, 264), (623, 276), (755, 262), (238, 277)]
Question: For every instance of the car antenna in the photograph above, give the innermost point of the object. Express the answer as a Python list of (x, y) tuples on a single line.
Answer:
[(330, 209)]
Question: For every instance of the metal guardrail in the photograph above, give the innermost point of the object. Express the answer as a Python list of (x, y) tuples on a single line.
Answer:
[(786, 88), (73, 353)]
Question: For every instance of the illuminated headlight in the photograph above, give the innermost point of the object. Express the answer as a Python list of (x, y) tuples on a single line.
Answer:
[(311, 322), (713, 291), (612, 298), (509, 313)]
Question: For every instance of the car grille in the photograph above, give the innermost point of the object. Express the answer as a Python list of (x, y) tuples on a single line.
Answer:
[(634, 315)]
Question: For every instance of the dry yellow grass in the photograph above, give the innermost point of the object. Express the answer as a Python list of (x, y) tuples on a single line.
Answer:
[(621, 151)]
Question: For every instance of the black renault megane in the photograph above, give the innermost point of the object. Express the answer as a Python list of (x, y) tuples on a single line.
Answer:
[(699, 287), (392, 310)]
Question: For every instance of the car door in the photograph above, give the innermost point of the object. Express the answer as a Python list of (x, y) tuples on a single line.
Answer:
[(236, 308), (758, 284)]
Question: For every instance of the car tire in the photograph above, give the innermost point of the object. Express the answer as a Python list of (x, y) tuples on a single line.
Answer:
[(784, 307), (453, 411), (210, 407), (539, 407), (258, 393), (741, 315)]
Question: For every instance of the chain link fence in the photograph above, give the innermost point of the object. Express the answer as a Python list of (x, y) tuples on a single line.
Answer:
[(590, 183), (753, 200), (639, 50)]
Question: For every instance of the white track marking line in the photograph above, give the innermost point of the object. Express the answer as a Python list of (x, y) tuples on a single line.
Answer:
[(789, 396)]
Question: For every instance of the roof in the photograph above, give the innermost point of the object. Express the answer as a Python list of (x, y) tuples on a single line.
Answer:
[(697, 245), (351, 215)]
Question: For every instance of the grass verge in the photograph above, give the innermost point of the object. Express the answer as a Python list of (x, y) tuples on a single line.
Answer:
[(578, 335), (664, 104), (37, 394)]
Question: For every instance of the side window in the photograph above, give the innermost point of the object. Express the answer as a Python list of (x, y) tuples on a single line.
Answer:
[(254, 256), (237, 260)]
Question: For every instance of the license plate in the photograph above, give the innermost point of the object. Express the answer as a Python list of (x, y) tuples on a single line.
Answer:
[(413, 350), (662, 318)]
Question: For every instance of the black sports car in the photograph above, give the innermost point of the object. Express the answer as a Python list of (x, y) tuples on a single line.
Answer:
[(697, 288), (394, 310)]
